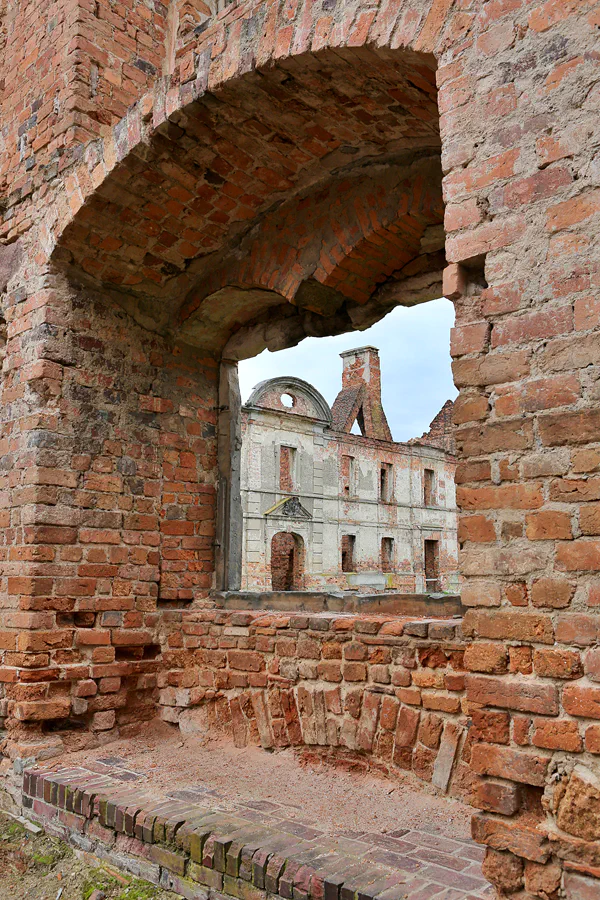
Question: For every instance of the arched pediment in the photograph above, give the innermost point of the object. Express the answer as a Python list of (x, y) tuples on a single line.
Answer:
[(305, 399)]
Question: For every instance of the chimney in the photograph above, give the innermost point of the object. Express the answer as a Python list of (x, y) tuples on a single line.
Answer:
[(361, 366), (361, 380)]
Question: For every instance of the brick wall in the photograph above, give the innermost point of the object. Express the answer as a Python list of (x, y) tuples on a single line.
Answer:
[(131, 207), (108, 515), (386, 688), (67, 70)]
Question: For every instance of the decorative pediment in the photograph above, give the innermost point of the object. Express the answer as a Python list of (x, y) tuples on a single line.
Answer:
[(290, 507)]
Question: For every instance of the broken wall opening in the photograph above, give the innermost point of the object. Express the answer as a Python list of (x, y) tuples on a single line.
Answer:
[(287, 562), (300, 461)]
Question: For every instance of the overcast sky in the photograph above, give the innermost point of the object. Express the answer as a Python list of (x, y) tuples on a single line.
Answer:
[(415, 364)]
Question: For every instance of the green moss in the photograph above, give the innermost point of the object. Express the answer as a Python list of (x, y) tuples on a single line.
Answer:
[(44, 860), (98, 880), (15, 830), (138, 890), (49, 855)]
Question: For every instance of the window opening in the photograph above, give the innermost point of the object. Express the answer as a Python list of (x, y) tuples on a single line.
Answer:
[(432, 566), (287, 463), (348, 544), (288, 401), (387, 554), (385, 482), (428, 487), (348, 476)]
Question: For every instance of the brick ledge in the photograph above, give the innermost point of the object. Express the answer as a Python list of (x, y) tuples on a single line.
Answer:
[(200, 852)]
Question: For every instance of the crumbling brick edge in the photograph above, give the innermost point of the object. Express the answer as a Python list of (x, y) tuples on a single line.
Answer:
[(192, 850)]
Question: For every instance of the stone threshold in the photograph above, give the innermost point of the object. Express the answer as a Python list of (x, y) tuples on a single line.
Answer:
[(201, 852)]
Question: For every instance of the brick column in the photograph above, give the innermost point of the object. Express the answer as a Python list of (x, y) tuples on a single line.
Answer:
[(522, 217)]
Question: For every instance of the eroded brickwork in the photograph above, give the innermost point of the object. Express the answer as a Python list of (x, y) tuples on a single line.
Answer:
[(388, 687), (112, 516), (165, 211)]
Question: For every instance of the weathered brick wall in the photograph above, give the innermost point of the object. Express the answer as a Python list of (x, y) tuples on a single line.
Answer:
[(517, 106), (67, 70), (387, 688), (110, 510)]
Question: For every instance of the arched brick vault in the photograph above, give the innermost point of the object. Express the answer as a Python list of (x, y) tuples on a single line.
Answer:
[(316, 178)]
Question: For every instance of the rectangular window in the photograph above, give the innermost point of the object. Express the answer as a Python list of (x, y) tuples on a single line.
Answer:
[(386, 482), (387, 554), (348, 475), (432, 566), (287, 462), (348, 543), (428, 487)]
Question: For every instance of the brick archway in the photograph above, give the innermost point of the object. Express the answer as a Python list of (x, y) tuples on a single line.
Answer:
[(110, 409), (259, 191)]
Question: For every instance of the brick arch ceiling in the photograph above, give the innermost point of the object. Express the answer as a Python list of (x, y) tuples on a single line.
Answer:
[(173, 215)]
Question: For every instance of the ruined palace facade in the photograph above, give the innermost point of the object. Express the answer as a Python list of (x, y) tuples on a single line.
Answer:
[(182, 186), (325, 508)]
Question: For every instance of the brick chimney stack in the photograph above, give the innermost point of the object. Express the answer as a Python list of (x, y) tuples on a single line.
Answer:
[(360, 397)]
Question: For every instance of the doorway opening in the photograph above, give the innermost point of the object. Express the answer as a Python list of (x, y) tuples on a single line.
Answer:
[(287, 561), (348, 545)]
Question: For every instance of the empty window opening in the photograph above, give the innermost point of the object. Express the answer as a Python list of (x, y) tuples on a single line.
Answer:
[(306, 467), (432, 566), (385, 482), (287, 562), (287, 462), (348, 476), (387, 554), (348, 544), (360, 419), (428, 487)]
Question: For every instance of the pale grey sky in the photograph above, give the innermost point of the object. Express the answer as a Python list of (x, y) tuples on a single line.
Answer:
[(414, 348)]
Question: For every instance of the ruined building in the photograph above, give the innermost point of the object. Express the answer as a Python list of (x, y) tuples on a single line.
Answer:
[(325, 507), (183, 184)]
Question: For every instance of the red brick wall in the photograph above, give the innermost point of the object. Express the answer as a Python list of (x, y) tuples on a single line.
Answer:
[(112, 511), (68, 69), (517, 105), (384, 687)]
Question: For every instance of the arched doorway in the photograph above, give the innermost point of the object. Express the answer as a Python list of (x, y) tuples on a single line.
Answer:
[(287, 562)]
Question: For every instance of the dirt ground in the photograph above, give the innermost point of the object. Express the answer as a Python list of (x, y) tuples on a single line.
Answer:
[(333, 799), (39, 867)]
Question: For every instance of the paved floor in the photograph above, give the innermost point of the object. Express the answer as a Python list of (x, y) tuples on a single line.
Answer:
[(417, 863)]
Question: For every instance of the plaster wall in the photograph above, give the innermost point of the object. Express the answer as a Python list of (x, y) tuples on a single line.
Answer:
[(331, 513)]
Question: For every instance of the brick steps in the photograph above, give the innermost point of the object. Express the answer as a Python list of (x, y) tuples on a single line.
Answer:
[(179, 842)]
